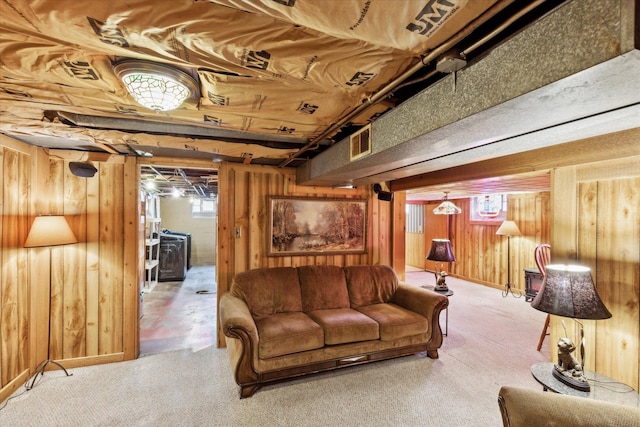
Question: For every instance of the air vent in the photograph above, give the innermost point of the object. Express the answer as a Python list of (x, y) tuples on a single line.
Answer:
[(360, 143)]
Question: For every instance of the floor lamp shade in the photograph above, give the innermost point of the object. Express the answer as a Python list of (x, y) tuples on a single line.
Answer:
[(568, 291), (508, 228), (51, 230)]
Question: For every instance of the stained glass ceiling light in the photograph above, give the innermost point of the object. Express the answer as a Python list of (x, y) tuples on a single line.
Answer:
[(446, 207), (158, 87)]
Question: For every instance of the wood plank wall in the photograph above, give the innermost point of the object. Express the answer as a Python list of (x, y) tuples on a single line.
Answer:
[(481, 255), (242, 204), (16, 331), (92, 308), (595, 211), (95, 289)]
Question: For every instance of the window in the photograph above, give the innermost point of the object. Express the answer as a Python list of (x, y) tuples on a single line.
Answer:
[(415, 218), (489, 208), (203, 208)]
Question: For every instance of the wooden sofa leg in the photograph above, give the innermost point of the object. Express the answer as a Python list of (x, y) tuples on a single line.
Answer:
[(433, 354), (248, 390)]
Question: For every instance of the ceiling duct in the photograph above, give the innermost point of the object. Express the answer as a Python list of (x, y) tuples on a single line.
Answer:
[(360, 143)]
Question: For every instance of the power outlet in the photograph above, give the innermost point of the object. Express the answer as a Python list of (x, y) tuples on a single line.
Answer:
[(238, 232)]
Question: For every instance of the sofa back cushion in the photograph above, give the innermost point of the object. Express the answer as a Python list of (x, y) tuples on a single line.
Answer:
[(370, 284), (323, 287), (268, 291)]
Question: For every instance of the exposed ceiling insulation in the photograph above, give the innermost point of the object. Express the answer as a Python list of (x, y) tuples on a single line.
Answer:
[(279, 80)]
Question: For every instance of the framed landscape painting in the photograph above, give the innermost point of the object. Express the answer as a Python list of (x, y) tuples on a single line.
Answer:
[(315, 226)]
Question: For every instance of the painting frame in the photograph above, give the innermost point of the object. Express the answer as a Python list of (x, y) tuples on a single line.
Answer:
[(308, 226)]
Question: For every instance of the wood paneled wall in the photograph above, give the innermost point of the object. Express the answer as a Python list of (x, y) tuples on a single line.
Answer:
[(95, 288), (17, 334), (416, 250), (92, 308), (481, 255), (242, 204), (595, 216)]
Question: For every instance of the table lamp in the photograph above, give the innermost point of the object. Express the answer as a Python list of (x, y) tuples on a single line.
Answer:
[(568, 291), (441, 251)]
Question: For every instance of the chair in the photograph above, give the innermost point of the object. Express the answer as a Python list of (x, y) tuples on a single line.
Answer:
[(543, 257)]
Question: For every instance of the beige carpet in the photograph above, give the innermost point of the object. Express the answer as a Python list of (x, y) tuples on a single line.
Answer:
[(492, 342)]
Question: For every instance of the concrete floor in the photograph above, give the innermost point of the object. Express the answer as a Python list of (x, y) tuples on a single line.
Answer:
[(180, 315)]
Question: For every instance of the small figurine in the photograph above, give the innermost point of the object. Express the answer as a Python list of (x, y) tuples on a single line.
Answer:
[(568, 369), (440, 282)]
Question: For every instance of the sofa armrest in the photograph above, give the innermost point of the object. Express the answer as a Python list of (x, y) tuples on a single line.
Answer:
[(234, 314), (241, 336), (521, 407), (426, 303)]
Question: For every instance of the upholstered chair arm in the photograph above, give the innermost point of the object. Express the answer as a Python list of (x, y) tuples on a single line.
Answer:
[(522, 407)]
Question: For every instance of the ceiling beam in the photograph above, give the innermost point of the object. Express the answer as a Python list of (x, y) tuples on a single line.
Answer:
[(603, 147), (85, 156)]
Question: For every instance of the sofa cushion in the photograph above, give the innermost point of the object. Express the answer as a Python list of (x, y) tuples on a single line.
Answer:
[(395, 322), (268, 291), (322, 287), (344, 325), (370, 284), (286, 333)]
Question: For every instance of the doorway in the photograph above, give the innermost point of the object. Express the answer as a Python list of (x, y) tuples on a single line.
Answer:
[(178, 309)]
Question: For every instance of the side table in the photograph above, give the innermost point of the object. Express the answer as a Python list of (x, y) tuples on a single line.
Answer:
[(447, 293), (602, 387)]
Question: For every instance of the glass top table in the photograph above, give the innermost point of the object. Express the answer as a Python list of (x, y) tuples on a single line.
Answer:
[(602, 387)]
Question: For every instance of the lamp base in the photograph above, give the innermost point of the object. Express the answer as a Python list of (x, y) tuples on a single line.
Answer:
[(441, 288), (40, 371), (441, 284), (566, 377), (507, 290)]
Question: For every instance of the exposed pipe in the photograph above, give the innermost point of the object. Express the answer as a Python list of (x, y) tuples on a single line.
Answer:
[(159, 173), (186, 179), (501, 27), (426, 59)]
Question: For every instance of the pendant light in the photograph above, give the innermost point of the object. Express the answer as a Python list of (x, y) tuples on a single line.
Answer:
[(446, 207)]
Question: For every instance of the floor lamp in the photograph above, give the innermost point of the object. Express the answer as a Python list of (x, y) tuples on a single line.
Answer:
[(49, 231), (508, 228)]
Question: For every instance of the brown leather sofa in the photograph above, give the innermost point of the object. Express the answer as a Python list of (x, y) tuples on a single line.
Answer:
[(533, 408), (284, 322)]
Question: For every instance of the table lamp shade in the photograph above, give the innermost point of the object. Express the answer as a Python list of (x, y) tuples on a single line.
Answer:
[(51, 230), (441, 251), (567, 290)]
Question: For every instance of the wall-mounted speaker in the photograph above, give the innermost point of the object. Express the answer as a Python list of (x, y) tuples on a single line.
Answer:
[(82, 169), (386, 196)]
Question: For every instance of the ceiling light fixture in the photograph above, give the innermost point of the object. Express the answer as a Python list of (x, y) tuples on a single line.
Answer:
[(159, 87), (446, 207)]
